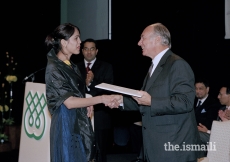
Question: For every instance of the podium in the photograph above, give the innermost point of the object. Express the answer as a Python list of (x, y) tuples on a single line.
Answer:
[(35, 130)]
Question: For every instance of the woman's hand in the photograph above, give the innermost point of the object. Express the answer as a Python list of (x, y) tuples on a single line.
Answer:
[(90, 111)]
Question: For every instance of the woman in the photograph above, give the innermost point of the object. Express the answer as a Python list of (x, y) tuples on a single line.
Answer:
[(71, 132)]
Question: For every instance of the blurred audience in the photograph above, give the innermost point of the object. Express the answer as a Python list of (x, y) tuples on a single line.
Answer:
[(223, 113)]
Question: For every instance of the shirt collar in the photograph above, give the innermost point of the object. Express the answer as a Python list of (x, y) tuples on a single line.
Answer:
[(158, 57), (92, 62), (203, 99)]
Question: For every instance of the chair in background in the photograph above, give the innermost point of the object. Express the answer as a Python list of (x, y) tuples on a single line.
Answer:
[(219, 144)]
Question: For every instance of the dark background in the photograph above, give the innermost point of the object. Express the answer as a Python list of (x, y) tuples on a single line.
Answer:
[(197, 30)]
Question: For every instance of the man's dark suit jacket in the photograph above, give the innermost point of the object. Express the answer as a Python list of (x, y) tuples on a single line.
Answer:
[(170, 119), (103, 72), (207, 112)]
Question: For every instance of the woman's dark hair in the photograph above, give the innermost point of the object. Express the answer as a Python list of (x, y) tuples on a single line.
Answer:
[(63, 31)]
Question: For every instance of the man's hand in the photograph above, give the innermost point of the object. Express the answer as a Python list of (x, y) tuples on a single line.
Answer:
[(222, 115), (202, 128), (89, 77), (227, 114), (145, 99)]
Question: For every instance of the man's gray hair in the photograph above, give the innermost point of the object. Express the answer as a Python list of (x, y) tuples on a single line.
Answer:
[(160, 30)]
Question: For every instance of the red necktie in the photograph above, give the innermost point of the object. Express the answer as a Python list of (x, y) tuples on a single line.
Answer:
[(88, 68)]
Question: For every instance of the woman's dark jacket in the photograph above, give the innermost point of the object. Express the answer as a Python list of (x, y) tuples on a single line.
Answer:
[(63, 81)]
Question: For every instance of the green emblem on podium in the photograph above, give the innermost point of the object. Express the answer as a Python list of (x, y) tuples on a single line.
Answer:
[(34, 117)]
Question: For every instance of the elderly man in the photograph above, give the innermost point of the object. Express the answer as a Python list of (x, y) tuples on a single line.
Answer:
[(168, 92)]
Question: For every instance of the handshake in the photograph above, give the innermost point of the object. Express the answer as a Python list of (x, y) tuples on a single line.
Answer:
[(115, 100), (112, 101)]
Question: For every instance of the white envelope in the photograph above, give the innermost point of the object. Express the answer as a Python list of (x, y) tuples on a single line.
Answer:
[(119, 89)]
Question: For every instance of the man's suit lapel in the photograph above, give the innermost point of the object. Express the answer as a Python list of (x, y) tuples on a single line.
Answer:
[(157, 71), (95, 65), (204, 104), (153, 77), (145, 82)]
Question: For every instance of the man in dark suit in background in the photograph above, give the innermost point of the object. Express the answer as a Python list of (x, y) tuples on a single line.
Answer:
[(166, 105), (206, 106), (206, 109), (224, 98), (97, 72)]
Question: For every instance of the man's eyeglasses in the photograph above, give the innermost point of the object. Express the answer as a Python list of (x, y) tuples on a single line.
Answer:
[(89, 49)]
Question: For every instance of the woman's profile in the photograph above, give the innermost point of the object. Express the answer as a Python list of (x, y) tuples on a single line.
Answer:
[(71, 132)]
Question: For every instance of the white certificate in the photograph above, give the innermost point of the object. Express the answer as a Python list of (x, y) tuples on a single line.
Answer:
[(119, 89)]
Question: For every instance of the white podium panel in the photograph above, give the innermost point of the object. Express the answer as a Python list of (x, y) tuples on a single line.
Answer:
[(35, 141), (36, 119)]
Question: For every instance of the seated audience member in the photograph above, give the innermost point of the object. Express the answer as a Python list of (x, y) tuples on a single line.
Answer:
[(206, 107), (223, 114), (224, 97)]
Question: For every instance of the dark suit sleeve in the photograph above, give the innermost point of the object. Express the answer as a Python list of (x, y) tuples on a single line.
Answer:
[(207, 112), (211, 116), (129, 104), (173, 92), (104, 75)]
